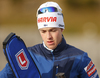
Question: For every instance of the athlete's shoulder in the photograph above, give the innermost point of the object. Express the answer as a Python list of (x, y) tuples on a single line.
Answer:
[(74, 51), (37, 46)]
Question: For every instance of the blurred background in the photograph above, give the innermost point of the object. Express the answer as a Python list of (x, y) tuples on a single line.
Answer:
[(81, 17)]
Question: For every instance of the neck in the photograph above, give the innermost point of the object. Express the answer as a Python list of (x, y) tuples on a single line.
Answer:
[(47, 47)]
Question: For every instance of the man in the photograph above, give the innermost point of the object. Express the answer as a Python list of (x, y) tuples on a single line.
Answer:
[(54, 55)]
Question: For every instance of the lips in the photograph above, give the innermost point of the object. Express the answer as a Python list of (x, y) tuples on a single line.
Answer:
[(50, 42)]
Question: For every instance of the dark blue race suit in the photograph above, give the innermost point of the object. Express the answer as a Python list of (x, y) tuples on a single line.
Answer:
[(64, 59)]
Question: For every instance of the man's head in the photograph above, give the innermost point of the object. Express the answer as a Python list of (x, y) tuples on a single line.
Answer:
[(49, 14), (50, 23), (51, 36)]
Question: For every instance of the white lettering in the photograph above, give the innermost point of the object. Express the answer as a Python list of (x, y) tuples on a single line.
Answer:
[(22, 62), (92, 70)]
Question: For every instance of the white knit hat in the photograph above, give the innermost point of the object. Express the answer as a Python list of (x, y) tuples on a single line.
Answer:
[(50, 19)]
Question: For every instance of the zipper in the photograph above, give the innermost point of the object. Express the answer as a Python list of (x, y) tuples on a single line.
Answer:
[(53, 56), (57, 69), (56, 65)]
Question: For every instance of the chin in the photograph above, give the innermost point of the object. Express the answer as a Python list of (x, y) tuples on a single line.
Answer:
[(52, 47)]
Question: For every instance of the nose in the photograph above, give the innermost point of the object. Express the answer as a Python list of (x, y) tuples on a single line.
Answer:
[(49, 36)]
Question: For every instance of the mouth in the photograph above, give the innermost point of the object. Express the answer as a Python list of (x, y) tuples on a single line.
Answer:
[(50, 42)]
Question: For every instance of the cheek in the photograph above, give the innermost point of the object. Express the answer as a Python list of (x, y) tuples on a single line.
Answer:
[(43, 37), (58, 37)]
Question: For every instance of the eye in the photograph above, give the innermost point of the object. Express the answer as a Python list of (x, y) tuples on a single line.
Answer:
[(43, 31), (54, 30)]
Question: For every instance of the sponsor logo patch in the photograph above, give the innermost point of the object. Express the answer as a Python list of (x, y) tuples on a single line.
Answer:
[(22, 60), (47, 19), (91, 71), (90, 68), (95, 75)]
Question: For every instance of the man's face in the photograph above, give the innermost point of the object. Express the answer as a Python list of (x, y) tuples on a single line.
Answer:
[(51, 36)]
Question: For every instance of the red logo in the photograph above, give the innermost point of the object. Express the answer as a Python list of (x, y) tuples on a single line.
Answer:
[(90, 68), (47, 19), (22, 60), (91, 71)]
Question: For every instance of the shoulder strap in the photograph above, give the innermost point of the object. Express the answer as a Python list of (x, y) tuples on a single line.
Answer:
[(18, 57)]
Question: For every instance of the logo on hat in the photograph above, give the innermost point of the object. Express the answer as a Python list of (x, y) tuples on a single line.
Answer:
[(45, 25), (61, 25), (47, 19)]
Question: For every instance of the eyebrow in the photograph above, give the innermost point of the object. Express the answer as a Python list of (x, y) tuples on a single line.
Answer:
[(46, 30)]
